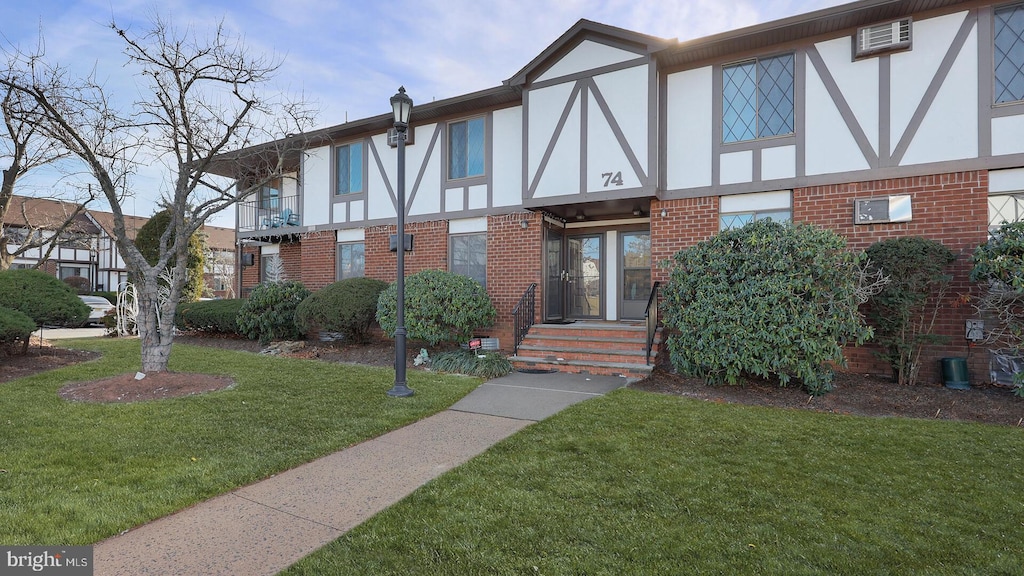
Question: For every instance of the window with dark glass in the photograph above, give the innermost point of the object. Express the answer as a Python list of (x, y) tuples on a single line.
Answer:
[(466, 148), (270, 195), (348, 162), (467, 254), (351, 260), (757, 99), (1009, 54)]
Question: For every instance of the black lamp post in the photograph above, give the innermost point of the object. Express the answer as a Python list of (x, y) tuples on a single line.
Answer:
[(402, 106)]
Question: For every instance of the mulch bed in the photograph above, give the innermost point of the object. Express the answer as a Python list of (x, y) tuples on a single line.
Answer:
[(155, 386)]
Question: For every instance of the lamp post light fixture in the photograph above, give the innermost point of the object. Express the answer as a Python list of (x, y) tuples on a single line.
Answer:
[(401, 104)]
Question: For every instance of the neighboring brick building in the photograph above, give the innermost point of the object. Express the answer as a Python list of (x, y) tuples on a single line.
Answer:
[(612, 150)]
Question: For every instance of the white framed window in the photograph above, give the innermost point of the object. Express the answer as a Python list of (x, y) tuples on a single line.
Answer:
[(348, 169), (351, 260), (739, 210), (466, 147), (1005, 208), (467, 255)]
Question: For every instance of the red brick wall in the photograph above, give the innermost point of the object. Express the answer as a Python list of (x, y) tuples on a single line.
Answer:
[(430, 249), (513, 263), (685, 223), (951, 208), (318, 258), (291, 256), (250, 274)]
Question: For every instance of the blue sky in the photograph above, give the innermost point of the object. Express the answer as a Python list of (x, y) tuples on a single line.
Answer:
[(350, 56)]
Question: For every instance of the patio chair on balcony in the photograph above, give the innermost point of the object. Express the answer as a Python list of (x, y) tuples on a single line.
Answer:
[(291, 218)]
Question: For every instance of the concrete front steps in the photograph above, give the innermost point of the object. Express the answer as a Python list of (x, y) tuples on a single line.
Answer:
[(604, 348)]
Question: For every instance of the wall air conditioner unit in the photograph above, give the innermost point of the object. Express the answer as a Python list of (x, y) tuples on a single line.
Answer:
[(393, 137), (882, 210), (886, 37)]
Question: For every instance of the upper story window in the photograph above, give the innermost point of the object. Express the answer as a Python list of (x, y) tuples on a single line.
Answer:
[(348, 161), (466, 148), (757, 99), (1009, 54), (270, 195)]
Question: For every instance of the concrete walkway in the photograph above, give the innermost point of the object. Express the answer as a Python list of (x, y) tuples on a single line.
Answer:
[(265, 527)]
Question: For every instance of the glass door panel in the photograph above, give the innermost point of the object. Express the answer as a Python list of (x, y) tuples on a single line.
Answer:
[(585, 261)]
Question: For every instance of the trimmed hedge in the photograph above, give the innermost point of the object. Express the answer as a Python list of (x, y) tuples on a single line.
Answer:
[(440, 306), (269, 313), (767, 299), (15, 330), (43, 298), (215, 316), (347, 306)]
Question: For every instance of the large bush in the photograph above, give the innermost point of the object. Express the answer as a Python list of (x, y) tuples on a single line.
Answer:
[(15, 330), (41, 297), (347, 306), (903, 313), (216, 316), (999, 269), (147, 240), (767, 299), (440, 306), (269, 313)]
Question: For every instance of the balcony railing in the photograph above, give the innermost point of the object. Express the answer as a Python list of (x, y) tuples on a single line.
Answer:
[(269, 214)]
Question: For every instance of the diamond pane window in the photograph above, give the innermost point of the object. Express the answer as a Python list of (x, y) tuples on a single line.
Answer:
[(757, 99), (1009, 54), (738, 103), (1004, 209), (466, 148), (349, 164)]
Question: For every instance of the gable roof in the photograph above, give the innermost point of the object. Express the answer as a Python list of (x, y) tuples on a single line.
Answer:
[(46, 214), (584, 29)]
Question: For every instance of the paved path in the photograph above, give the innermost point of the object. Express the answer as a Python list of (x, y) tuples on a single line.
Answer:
[(265, 527)]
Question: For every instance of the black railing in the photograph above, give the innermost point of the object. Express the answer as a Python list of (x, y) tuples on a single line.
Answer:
[(652, 318), (523, 315), (269, 213)]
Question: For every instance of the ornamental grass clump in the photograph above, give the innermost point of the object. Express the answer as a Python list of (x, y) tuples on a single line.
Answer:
[(472, 363), (768, 300)]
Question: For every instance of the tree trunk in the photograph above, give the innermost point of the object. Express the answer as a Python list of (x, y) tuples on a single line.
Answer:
[(156, 339)]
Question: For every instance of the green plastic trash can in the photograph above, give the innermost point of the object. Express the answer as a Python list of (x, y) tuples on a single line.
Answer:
[(954, 373)]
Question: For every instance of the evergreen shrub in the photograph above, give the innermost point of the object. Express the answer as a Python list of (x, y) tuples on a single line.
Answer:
[(43, 298), (269, 312), (214, 316), (347, 306), (440, 306)]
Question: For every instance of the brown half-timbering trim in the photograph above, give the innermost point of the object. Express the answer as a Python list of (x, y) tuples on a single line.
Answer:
[(933, 88), (641, 173), (383, 175), (554, 140), (642, 61), (986, 79), (716, 124), (652, 182), (884, 110), (942, 167), (800, 113), (525, 158), (584, 131), (424, 164), (662, 131), (843, 106), (755, 166)]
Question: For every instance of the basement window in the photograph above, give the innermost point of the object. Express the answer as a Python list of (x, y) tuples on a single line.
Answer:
[(882, 38)]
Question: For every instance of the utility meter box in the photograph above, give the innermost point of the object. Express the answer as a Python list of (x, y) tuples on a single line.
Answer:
[(975, 330)]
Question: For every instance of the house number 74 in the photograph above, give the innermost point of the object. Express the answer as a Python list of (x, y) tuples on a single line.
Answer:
[(612, 178)]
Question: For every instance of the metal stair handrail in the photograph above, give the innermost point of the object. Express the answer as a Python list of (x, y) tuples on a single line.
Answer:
[(652, 318), (523, 315)]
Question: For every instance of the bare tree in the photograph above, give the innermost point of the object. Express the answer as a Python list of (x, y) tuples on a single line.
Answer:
[(24, 148), (202, 97)]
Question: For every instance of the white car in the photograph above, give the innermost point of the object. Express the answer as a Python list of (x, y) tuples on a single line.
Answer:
[(99, 307)]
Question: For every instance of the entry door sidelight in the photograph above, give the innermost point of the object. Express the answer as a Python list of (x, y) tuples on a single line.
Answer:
[(554, 276), (636, 274)]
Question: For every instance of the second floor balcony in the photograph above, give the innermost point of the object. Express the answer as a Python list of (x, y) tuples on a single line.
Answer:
[(269, 214)]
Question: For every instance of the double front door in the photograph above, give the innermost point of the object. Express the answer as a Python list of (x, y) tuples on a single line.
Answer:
[(575, 265)]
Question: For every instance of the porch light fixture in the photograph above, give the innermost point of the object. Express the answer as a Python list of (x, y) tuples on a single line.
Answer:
[(525, 224), (401, 104), (664, 212)]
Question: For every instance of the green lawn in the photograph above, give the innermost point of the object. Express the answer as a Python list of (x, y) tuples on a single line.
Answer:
[(77, 473), (636, 483)]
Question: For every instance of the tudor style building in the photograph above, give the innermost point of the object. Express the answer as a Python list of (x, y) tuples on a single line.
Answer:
[(612, 150)]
